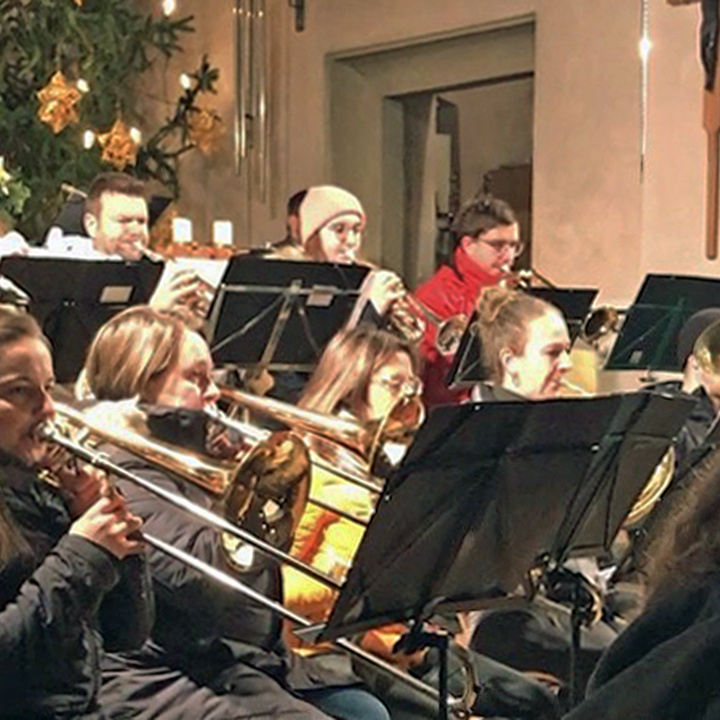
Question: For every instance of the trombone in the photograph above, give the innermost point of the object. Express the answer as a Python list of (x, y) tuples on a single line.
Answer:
[(52, 433), (363, 441)]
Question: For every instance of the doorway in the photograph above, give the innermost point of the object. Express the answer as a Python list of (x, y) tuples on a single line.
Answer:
[(417, 130)]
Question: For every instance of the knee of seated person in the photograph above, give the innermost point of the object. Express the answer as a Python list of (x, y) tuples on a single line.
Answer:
[(349, 703)]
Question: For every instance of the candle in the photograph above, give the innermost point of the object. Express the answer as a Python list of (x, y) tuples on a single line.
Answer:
[(182, 230), (222, 233)]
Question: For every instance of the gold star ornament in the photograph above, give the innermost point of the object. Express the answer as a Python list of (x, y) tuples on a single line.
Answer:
[(205, 129), (119, 147), (58, 100)]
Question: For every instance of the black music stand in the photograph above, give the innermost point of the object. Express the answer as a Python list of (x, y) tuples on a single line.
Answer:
[(280, 314), (574, 303), (71, 299), (648, 336), (489, 491)]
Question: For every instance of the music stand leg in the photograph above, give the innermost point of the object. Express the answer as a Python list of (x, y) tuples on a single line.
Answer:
[(576, 621), (442, 644)]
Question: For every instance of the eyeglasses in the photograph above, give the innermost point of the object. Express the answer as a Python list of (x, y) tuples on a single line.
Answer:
[(514, 246), (343, 230), (405, 387)]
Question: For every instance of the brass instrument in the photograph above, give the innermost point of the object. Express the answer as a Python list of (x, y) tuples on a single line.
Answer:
[(448, 332), (653, 490), (363, 441), (656, 485), (706, 350), (210, 475), (522, 279), (403, 315), (599, 324), (262, 496)]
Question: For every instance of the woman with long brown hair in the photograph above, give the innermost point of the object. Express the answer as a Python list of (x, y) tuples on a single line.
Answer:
[(364, 373), (66, 571)]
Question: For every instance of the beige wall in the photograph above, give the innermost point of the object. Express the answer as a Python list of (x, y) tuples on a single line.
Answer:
[(595, 222)]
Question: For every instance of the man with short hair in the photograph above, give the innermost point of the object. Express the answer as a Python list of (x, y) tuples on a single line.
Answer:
[(116, 216), (116, 219), (487, 243)]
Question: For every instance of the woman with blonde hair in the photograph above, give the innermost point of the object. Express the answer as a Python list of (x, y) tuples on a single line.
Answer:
[(71, 572), (212, 652), (525, 345)]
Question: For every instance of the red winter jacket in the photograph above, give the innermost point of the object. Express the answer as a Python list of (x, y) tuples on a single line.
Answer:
[(453, 289)]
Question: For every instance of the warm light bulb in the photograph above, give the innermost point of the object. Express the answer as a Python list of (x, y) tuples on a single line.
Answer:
[(168, 7), (82, 85), (136, 135), (88, 139), (185, 81)]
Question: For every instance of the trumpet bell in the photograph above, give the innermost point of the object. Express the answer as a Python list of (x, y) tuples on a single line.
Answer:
[(449, 334)]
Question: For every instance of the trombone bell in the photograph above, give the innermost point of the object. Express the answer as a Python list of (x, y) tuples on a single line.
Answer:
[(707, 349)]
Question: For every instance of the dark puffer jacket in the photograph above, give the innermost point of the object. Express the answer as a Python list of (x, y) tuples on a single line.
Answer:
[(59, 597)]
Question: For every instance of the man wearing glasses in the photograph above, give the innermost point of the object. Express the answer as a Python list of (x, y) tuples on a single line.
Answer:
[(487, 242)]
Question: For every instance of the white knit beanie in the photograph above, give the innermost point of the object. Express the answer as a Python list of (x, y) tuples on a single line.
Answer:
[(322, 204)]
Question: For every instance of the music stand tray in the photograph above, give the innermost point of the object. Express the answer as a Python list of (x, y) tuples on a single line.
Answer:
[(574, 303), (280, 314), (71, 299), (648, 336)]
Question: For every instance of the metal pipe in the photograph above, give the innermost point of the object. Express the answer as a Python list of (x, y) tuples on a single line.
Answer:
[(232, 582)]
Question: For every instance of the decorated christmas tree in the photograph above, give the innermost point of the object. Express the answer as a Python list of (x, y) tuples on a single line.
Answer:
[(69, 71)]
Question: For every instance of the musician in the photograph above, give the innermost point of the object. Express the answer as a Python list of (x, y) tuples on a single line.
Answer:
[(704, 386), (363, 374), (212, 652), (292, 223), (487, 243), (71, 571), (332, 222), (525, 346), (116, 221), (665, 665)]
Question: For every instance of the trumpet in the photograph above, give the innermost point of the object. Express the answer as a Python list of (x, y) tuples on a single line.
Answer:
[(167, 459)]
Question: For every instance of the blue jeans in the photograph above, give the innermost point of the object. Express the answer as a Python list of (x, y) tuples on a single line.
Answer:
[(346, 703)]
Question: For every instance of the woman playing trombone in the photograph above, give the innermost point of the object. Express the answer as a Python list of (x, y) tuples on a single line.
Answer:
[(212, 654), (69, 564)]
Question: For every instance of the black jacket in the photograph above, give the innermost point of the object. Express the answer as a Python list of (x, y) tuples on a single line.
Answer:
[(204, 627), (57, 598), (666, 665)]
